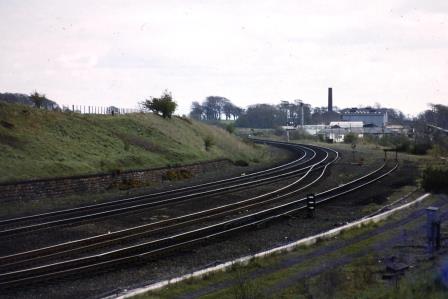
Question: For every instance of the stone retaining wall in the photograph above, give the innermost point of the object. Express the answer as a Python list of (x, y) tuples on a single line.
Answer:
[(59, 187)]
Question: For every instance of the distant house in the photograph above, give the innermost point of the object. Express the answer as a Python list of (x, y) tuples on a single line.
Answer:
[(112, 110)]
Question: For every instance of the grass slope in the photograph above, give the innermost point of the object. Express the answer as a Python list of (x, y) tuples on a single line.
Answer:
[(38, 143)]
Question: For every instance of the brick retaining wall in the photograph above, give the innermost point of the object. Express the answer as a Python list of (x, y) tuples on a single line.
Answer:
[(59, 187)]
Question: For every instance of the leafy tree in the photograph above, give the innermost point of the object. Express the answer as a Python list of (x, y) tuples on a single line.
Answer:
[(395, 116), (227, 109), (197, 111), (437, 115), (213, 107), (350, 138), (38, 99), (295, 113), (261, 116), (164, 105), (434, 179), (236, 112), (230, 110), (230, 128)]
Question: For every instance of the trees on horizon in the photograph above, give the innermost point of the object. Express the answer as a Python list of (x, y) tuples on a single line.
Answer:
[(213, 108), (265, 116), (290, 113)]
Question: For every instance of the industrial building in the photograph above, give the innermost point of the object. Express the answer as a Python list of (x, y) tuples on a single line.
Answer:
[(359, 121), (369, 116), (330, 115), (337, 130)]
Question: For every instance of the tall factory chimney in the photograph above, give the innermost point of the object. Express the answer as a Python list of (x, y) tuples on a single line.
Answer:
[(330, 99)]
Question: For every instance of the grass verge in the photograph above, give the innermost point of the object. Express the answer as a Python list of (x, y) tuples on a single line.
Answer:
[(40, 143)]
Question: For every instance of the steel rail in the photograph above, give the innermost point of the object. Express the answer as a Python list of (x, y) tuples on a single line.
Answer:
[(162, 193), (130, 209), (291, 184), (169, 243), (164, 225)]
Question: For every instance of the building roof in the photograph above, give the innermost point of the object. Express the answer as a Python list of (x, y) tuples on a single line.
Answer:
[(395, 126), (363, 111), (347, 124)]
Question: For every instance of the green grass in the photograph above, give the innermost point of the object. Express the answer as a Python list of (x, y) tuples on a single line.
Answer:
[(37, 143), (362, 279)]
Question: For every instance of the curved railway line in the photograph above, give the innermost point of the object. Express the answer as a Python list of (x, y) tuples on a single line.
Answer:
[(64, 259), (307, 157)]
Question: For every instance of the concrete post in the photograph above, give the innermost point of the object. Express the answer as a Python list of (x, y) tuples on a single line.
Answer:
[(432, 225)]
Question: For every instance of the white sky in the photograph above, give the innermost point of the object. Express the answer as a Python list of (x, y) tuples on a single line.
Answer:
[(394, 52)]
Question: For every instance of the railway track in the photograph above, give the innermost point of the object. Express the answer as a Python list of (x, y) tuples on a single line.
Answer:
[(307, 157), (315, 162), (302, 156), (165, 225), (14, 269)]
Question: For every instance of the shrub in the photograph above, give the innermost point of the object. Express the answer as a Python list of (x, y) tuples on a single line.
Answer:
[(400, 142), (241, 163), (300, 134), (403, 144), (208, 142), (184, 174), (279, 131), (350, 138), (38, 99), (435, 179), (438, 150), (170, 175), (230, 128), (420, 148), (163, 105), (174, 175), (126, 145)]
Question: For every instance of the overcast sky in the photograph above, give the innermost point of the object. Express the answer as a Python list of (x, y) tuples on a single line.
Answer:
[(394, 52)]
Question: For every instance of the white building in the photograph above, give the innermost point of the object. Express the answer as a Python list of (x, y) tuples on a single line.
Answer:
[(346, 124), (312, 129)]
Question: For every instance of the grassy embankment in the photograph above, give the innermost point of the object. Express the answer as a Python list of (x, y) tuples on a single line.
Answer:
[(37, 143)]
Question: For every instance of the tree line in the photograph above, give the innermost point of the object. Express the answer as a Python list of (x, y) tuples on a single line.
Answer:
[(271, 116), (213, 108)]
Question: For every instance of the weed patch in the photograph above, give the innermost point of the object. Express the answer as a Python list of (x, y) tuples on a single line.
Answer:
[(175, 175)]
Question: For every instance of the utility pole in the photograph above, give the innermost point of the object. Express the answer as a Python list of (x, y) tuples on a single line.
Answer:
[(302, 117)]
